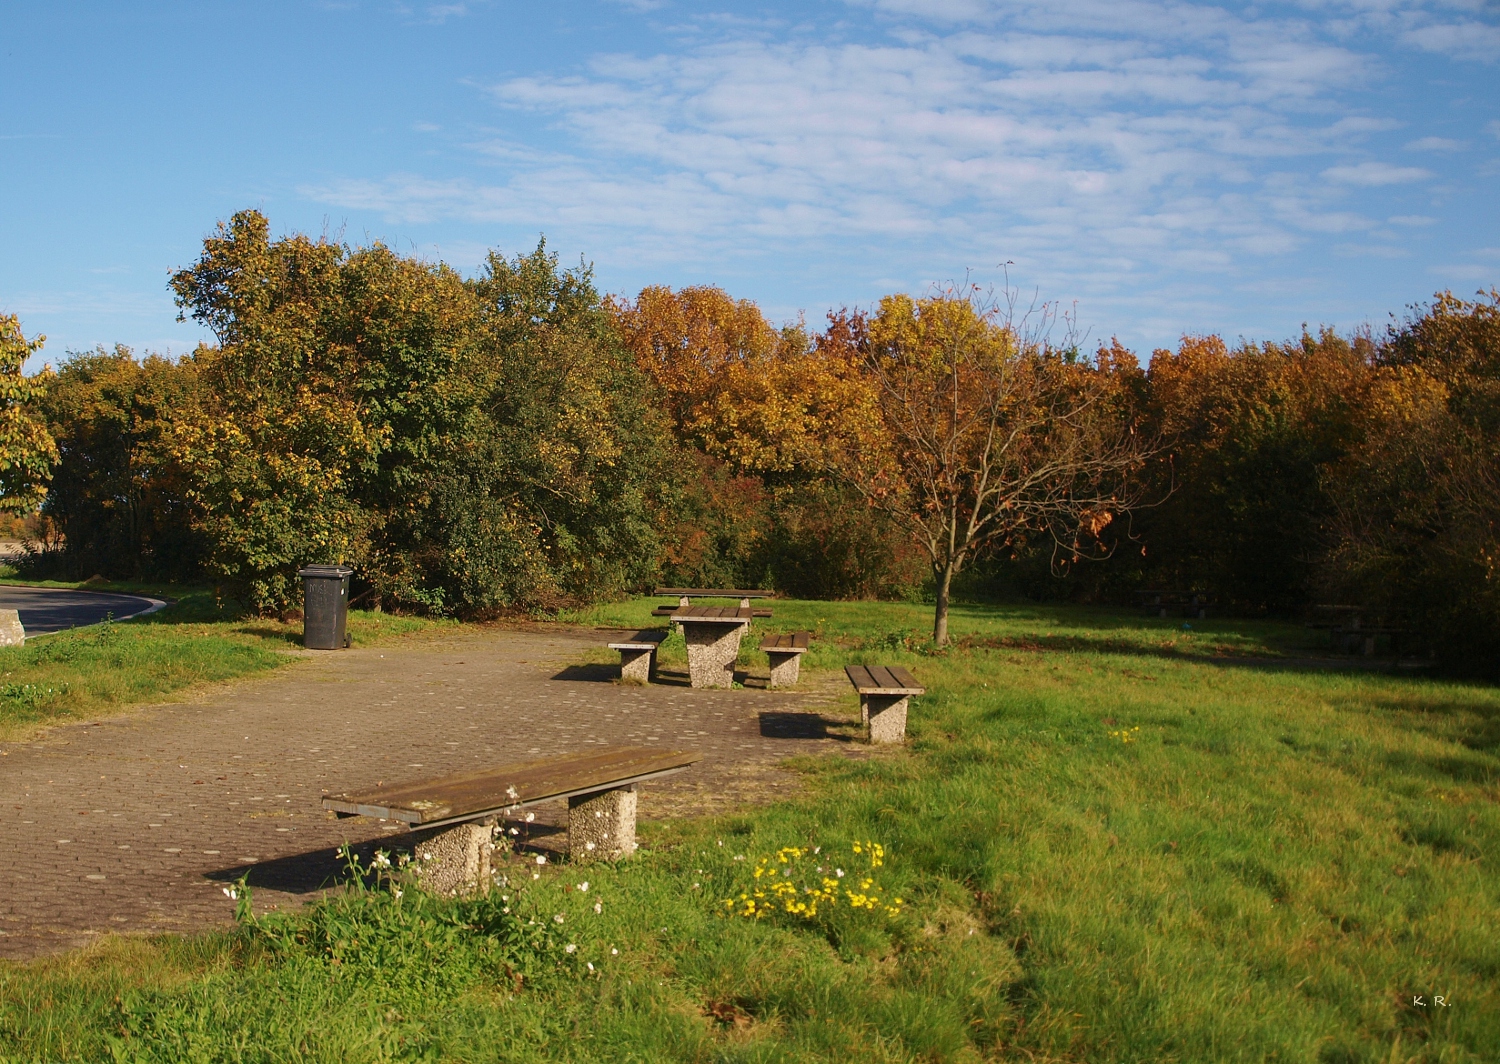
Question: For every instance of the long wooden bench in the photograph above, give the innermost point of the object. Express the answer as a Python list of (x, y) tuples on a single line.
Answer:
[(600, 787), (884, 692), (785, 652), (685, 595), (638, 656)]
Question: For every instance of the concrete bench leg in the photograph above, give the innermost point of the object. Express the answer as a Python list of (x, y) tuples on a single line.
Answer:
[(601, 826), (784, 668), (886, 717), (712, 652), (637, 666), (456, 862)]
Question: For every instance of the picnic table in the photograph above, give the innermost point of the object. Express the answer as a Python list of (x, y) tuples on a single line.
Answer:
[(1349, 630), (1192, 603), (713, 634)]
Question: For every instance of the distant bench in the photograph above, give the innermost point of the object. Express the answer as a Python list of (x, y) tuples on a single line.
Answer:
[(685, 595), (600, 788), (638, 656), (785, 652), (884, 691)]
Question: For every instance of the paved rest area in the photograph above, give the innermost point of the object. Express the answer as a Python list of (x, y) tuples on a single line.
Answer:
[(136, 824)]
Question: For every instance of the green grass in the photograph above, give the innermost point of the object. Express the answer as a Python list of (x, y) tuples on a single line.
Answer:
[(1112, 850), (98, 670)]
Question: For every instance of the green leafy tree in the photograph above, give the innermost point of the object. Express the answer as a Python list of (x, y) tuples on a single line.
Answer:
[(118, 494), (468, 446), (27, 450)]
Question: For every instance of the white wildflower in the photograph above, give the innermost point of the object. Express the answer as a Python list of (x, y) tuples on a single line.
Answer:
[(591, 966), (571, 947), (541, 858), (381, 860), (584, 886), (231, 894), (530, 817), (598, 907), (614, 952), (840, 872), (558, 918), (396, 891)]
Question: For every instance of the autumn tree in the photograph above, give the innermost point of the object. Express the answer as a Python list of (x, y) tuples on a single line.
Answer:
[(1417, 517), (987, 437), (1252, 437), (27, 450), (761, 409)]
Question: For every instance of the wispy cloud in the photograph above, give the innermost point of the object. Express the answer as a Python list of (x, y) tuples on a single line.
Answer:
[(1440, 144), (1140, 142), (1374, 173)]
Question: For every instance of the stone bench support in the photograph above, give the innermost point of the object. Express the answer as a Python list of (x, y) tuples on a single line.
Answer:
[(885, 716), (637, 660), (457, 862), (601, 826)]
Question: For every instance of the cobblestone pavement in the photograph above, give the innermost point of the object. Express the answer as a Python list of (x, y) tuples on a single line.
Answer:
[(136, 824)]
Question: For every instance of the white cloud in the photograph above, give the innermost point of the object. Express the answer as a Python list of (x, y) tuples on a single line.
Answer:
[(1139, 142), (1440, 144), (1373, 174), (1411, 219), (1473, 41)]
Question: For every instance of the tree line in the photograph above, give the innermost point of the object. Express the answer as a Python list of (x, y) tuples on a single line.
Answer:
[(516, 440)]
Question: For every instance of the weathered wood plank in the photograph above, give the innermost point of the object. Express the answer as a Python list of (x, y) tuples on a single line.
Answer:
[(906, 679), (472, 794)]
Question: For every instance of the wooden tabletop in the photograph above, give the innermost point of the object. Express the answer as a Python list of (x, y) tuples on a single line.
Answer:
[(716, 614), (883, 680), (471, 795)]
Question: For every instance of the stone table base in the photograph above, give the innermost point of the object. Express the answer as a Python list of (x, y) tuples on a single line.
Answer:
[(712, 650)]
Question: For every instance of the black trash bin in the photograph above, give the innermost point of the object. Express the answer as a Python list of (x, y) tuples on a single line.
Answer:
[(325, 606)]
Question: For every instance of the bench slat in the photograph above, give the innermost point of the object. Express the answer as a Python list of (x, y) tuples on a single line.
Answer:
[(472, 794), (882, 676), (789, 642)]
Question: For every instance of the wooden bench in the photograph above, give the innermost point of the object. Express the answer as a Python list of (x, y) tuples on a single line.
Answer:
[(710, 592), (883, 694), (685, 595), (1192, 603), (638, 656), (600, 787), (1356, 639), (785, 652)]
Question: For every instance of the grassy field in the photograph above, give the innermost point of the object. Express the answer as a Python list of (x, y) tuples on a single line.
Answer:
[(1113, 840), (93, 671)]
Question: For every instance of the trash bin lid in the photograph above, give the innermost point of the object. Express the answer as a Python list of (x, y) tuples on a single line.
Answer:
[(325, 572)]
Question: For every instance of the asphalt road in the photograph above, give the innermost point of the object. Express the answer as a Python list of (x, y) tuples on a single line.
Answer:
[(46, 609)]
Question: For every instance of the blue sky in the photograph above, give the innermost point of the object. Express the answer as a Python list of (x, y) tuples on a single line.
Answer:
[(1171, 167)]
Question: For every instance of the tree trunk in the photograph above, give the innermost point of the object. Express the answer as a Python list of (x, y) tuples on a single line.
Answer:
[(940, 619)]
